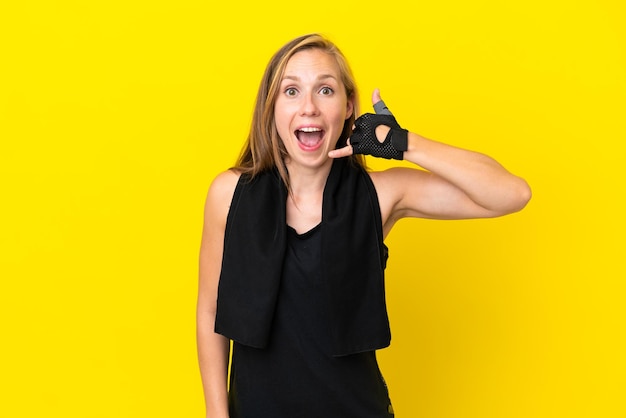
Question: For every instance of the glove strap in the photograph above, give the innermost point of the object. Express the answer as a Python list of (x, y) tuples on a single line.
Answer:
[(399, 139)]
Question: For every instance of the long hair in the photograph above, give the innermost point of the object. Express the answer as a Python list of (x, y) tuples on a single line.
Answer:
[(264, 150)]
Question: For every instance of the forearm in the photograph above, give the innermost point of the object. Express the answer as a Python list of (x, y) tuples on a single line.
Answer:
[(479, 176), (213, 355)]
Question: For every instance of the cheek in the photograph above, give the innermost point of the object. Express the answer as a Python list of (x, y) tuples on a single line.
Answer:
[(282, 126), (278, 116), (342, 112), (282, 114)]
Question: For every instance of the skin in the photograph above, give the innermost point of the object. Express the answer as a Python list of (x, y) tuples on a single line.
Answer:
[(452, 183), (312, 95)]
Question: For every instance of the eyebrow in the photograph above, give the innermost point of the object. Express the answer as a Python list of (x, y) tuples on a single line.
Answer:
[(320, 77)]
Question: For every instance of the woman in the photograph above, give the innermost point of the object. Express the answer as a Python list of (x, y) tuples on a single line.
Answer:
[(292, 255)]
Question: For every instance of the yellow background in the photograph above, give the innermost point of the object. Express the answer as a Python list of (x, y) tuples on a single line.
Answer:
[(116, 115)]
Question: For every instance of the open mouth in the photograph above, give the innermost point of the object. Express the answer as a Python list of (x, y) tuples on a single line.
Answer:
[(309, 137)]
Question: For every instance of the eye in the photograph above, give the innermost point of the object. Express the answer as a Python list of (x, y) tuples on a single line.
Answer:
[(326, 91), (291, 92)]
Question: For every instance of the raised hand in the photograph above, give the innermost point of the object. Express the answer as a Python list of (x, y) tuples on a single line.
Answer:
[(378, 134)]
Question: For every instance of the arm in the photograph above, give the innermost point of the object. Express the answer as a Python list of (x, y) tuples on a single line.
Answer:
[(455, 183), (213, 349)]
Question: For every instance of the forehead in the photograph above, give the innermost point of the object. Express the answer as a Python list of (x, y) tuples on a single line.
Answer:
[(312, 62)]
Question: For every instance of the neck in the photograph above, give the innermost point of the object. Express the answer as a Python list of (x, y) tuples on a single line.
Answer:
[(307, 180), (304, 205)]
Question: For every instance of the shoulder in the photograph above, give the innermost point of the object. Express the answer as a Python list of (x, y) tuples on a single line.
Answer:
[(392, 186), (224, 183), (220, 195)]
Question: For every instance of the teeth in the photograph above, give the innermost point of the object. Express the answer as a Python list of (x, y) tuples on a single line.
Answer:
[(311, 129)]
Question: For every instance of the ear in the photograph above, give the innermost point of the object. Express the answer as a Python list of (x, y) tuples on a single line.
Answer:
[(349, 107)]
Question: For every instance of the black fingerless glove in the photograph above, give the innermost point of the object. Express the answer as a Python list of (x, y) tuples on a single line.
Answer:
[(364, 141)]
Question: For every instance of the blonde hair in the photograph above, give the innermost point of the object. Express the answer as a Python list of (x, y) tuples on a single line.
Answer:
[(263, 149)]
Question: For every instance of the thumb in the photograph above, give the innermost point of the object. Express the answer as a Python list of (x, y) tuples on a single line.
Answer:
[(376, 96), (379, 106)]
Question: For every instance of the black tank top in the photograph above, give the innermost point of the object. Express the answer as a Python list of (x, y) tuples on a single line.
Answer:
[(295, 376)]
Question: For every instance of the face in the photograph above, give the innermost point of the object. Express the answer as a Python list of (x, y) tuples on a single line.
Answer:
[(311, 107)]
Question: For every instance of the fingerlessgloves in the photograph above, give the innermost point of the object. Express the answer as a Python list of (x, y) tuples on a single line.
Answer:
[(364, 140)]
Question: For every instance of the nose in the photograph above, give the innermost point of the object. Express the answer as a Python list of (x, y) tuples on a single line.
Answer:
[(309, 106)]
